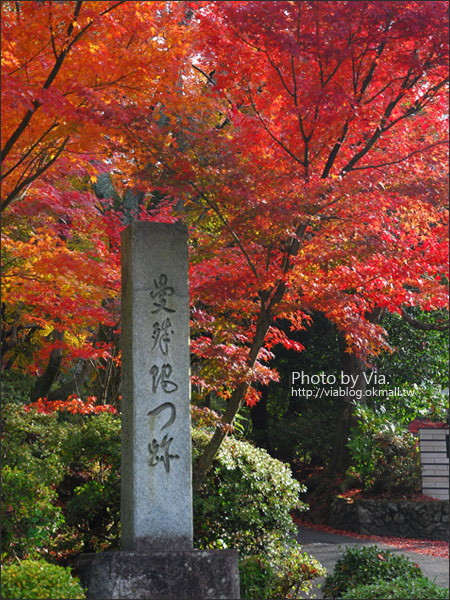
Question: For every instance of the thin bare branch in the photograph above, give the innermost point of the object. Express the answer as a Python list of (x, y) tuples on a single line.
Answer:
[(272, 135), (436, 326), (30, 150), (26, 182), (399, 160)]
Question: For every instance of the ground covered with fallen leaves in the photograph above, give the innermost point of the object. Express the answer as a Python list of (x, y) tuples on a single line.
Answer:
[(431, 547)]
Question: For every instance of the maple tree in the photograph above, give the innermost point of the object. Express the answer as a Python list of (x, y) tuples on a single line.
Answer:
[(73, 76), (304, 144), (73, 71), (322, 183)]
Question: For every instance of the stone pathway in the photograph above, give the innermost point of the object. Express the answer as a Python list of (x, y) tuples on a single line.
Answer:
[(324, 547)]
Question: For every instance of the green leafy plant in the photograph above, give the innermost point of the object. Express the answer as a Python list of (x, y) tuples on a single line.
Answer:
[(283, 571), (30, 519), (31, 579), (246, 497), (420, 357), (384, 454), (366, 565), (31, 471), (32, 439), (419, 588), (61, 482), (16, 386), (91, 484), (256, 577)]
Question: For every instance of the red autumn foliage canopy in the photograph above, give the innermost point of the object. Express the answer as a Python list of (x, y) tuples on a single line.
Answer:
[(303, 143)]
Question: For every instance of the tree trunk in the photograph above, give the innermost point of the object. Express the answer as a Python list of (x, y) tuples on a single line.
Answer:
[(354, 368), (73, 385), (355, 391), (45, 381), (205, 460), (269, 300)]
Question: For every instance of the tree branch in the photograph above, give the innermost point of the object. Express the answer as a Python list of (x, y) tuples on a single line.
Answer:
[(26, 182), (273, 136), (52, 75), (437, 326), (399, 160), (29, 151)]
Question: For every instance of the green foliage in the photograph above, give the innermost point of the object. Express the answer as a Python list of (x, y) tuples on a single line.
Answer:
[(30, 519), (31, 470), (92, 481), (416, 401), (16, 387), (246, 497), (418, 366), (424, 401), (283, 571), (31, 579), (366, 565), (384, 454), (420, 357), (61, 482), (33, 441), (256, 577), (420, 588)]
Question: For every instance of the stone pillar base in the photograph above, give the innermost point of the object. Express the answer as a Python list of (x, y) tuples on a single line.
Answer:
[(185, 575)]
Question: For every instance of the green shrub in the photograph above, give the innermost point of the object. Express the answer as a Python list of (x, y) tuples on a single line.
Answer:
[(32, 440), (256, 577), (16, 386), (31, 519), (32, 579), (397, 470), (384, 454), (91, 484), (246, 497), (401, 588), (61, 482), (366, 565), (283, 571)]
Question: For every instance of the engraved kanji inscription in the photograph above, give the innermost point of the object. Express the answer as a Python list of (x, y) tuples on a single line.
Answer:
[(160, 295), (160, 449), (161, 335), (161, 379), (160, 452), (173, 413)]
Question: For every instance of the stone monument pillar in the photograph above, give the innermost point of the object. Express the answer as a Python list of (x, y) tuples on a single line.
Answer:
[(156, 511), (157, 559)]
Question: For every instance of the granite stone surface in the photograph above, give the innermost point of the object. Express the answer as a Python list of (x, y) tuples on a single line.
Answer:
[(188, 575), (157, 559), (156, 505)]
